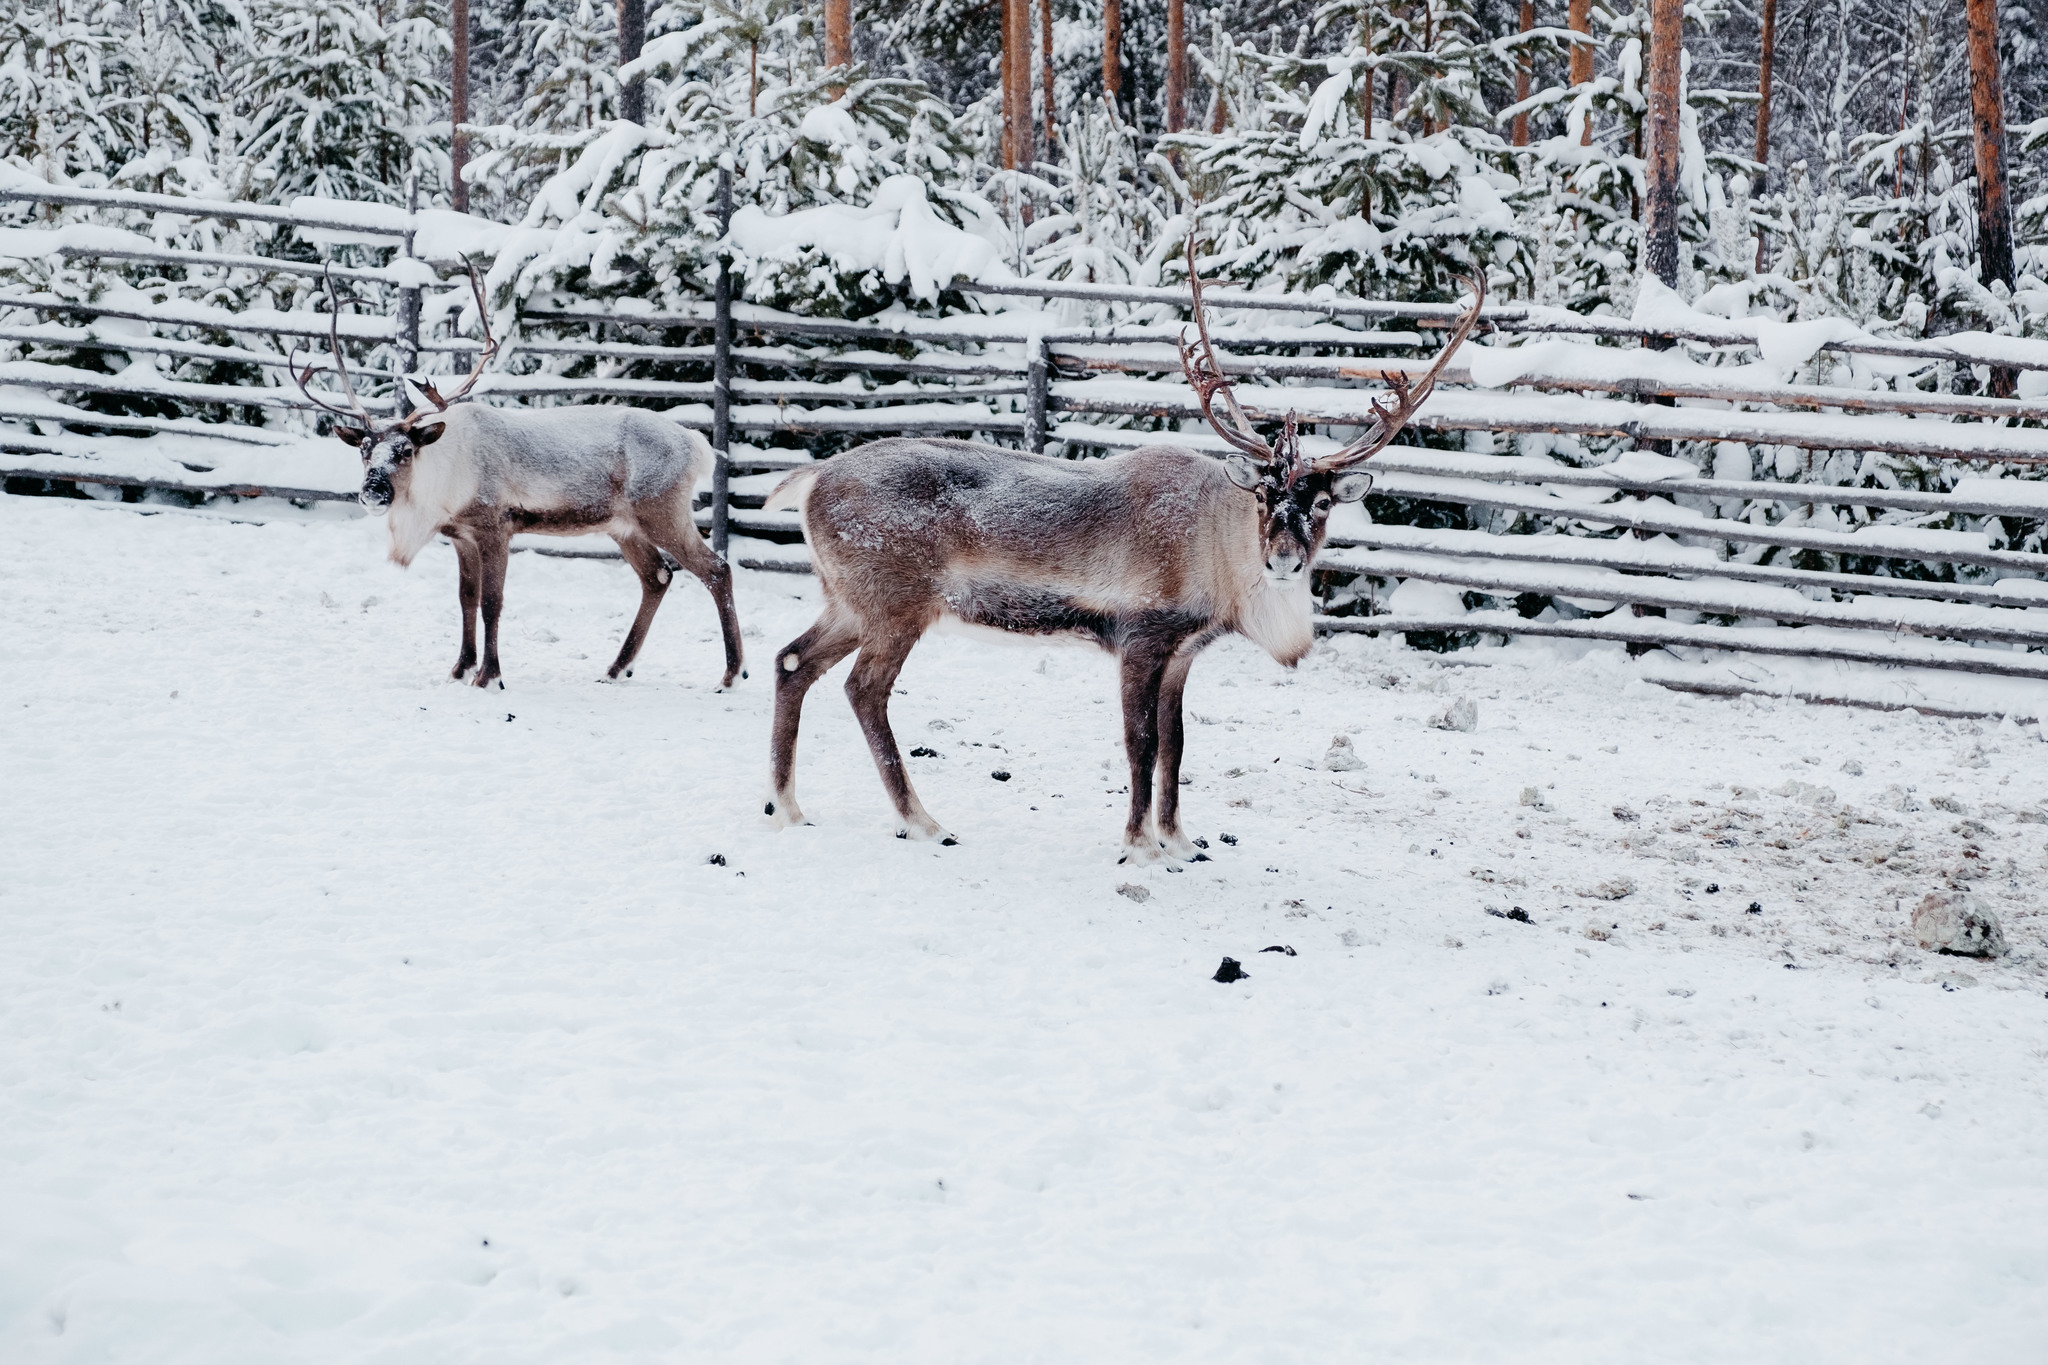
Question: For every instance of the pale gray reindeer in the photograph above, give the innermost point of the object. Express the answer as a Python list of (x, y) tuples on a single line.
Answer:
[(1151, 555), (479, 475)]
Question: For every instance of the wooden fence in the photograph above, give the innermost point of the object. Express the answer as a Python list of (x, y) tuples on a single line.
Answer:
[(1651, 551)]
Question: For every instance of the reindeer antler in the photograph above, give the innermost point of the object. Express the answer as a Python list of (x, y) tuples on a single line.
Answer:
[(303, 377), (1205, 376), (490, 351), (1387, 422)]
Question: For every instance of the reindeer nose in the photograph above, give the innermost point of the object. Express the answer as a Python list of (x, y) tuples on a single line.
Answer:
[(376, 488), (1285, 565)]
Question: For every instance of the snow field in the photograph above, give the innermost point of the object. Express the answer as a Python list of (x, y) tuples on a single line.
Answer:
[(354, 1015)]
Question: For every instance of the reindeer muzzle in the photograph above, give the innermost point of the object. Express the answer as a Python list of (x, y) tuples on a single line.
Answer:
[(1284, 566), (377, 493)]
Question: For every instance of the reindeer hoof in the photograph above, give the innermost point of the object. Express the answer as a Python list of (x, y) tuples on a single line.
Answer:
[(949, 842)]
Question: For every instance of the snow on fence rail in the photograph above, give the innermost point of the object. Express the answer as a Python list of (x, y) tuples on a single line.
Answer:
[(1684, 571)]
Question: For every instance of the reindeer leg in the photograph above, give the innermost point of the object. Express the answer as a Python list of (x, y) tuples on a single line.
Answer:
[(495, 552), (1145, 660), (654, 577), (874, 674), (798, 664), (1173, 684), (693, 553), (468, 580)]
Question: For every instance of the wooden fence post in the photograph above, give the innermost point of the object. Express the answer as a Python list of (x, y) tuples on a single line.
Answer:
[(721, 376), (1037, 375)]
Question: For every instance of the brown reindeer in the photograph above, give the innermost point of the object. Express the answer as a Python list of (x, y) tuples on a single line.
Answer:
[(1151, 555), (479, 475)]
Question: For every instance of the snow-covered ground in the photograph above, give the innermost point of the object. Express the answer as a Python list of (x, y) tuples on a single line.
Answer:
[(347, 1014)]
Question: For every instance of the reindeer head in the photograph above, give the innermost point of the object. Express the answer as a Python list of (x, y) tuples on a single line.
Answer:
[(389, 444), (1295, 494)]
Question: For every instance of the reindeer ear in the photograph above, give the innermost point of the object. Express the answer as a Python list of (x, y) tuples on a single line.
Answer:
[(1244, 472), (352, 436), (1350, 487), (427, 435)]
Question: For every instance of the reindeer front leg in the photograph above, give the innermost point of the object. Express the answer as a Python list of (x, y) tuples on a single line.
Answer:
[(494, 552), (1173, 685), (469, 578), (1145, 659)]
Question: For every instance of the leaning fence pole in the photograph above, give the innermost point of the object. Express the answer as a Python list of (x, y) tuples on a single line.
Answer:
[(1037, 373), (721, 374), (408, 304)]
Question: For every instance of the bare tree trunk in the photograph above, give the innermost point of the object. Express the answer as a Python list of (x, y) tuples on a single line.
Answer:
[(1020, 150), (1579, 18), (838, 37), (1767, 52), (1052, 132), (1112, 49), (1365, 91), (1176, 62), (458, 89), (1523, 67), (1667, 37), (1987, 120), (632, 37), (1009, 85)]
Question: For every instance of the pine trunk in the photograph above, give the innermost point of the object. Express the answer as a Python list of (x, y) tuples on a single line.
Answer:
[(1523, 69), (1579, 18), (1660, 247), (632, 37), (1020, 150), (838, 37), (1987, 118), (1112, 49), (458, 90), (1052, 135), (1767, 50), (1176, 63), (1365, 91)]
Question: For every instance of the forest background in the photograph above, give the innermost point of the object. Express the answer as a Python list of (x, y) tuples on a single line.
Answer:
[(1373, 147)]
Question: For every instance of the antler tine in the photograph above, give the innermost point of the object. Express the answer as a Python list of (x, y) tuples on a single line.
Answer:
[(489, 353), (1204, 374), (1408, 395), (303, 378)]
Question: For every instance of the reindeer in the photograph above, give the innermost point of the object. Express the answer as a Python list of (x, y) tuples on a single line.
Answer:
[(1151, 555), (478, 475)]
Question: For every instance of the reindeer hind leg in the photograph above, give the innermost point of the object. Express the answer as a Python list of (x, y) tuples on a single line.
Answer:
[(798, 664), (645, 560), (868, 688), (680, 537)]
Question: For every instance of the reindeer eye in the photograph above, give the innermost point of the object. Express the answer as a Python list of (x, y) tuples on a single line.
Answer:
[(1322, 502)]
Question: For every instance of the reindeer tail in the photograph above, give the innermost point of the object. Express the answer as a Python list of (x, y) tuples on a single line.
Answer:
[(793, 492), (702, 457)]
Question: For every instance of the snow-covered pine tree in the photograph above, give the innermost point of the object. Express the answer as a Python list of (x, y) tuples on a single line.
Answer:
[(568, 87), (741, 83), (345, 99), (1297, 194)]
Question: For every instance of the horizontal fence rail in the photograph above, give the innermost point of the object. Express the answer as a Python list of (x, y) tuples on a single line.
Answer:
[(1648, 551)]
